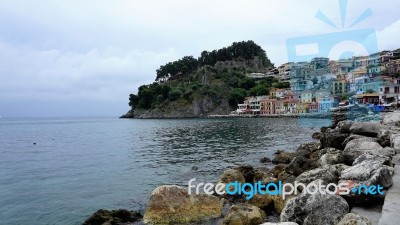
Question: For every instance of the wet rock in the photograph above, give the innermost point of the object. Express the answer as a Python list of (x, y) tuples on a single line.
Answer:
[(278, 169), (279, 152), (171, 204), (332, 156), (264, 176), (121, 216), (231, 175), (286, 177), (326, 174), (244, 214), (284, 158), (354, 219), (247, 171), (336, 118), (265, 160), (261, 201), (344, 126), (315, 209), (316, 135), (333, 139), (367, 128), (309, 147), (299, 165)]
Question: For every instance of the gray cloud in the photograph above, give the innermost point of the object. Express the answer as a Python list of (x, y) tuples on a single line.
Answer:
[(89, 55)]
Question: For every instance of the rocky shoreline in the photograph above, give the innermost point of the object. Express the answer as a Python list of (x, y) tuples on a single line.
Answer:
[(352, 152)]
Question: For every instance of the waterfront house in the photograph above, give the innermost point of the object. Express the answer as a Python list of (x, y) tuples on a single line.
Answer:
[(301, 107), (369, 98), (251, 105)]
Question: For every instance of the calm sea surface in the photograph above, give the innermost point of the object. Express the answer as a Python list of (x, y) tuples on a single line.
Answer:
[(80, 165)]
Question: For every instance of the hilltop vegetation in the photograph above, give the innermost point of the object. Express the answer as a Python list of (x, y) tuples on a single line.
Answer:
[(214, 83)]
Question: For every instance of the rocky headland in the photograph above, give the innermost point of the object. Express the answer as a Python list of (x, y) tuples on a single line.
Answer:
[(359, 153)]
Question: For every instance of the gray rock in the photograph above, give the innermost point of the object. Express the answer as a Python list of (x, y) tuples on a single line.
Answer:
[(368, 172), (333, 139), (384, 137), (315, 209), (356, 136), (392, 118), (326, 174), (367, 128), (331, 157), (344, 126), (383, 159), (395, 142), (299, 165), (353, 219), (360, 146)]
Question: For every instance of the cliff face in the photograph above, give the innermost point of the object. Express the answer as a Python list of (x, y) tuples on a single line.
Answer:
[(198, 108)]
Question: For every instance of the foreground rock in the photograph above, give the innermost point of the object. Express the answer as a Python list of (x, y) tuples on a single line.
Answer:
[(171, 204), (359, 146), (299, 165), (315, 209), (121, 216), (333, 139), (326, 174), (368, 170), (353, 219), (243, 214), (367, 129)]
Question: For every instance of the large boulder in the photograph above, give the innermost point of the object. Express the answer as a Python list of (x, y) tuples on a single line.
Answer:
[(120, 216), (354, 219), (344, 126), (360, 146), (383, 159), (299, 165), (392, 118), (231, 175), (367, 128), (333, 139), (395, 142), (284, 158), (326, 174), (332, 156), (366, 171), (315, 209), (171, 204), (243, 214), (384, 137)]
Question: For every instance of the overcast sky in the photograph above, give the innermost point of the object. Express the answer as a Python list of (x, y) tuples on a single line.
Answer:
[(83, 58)]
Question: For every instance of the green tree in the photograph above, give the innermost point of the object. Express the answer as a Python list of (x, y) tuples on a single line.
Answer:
[(237, 96)]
